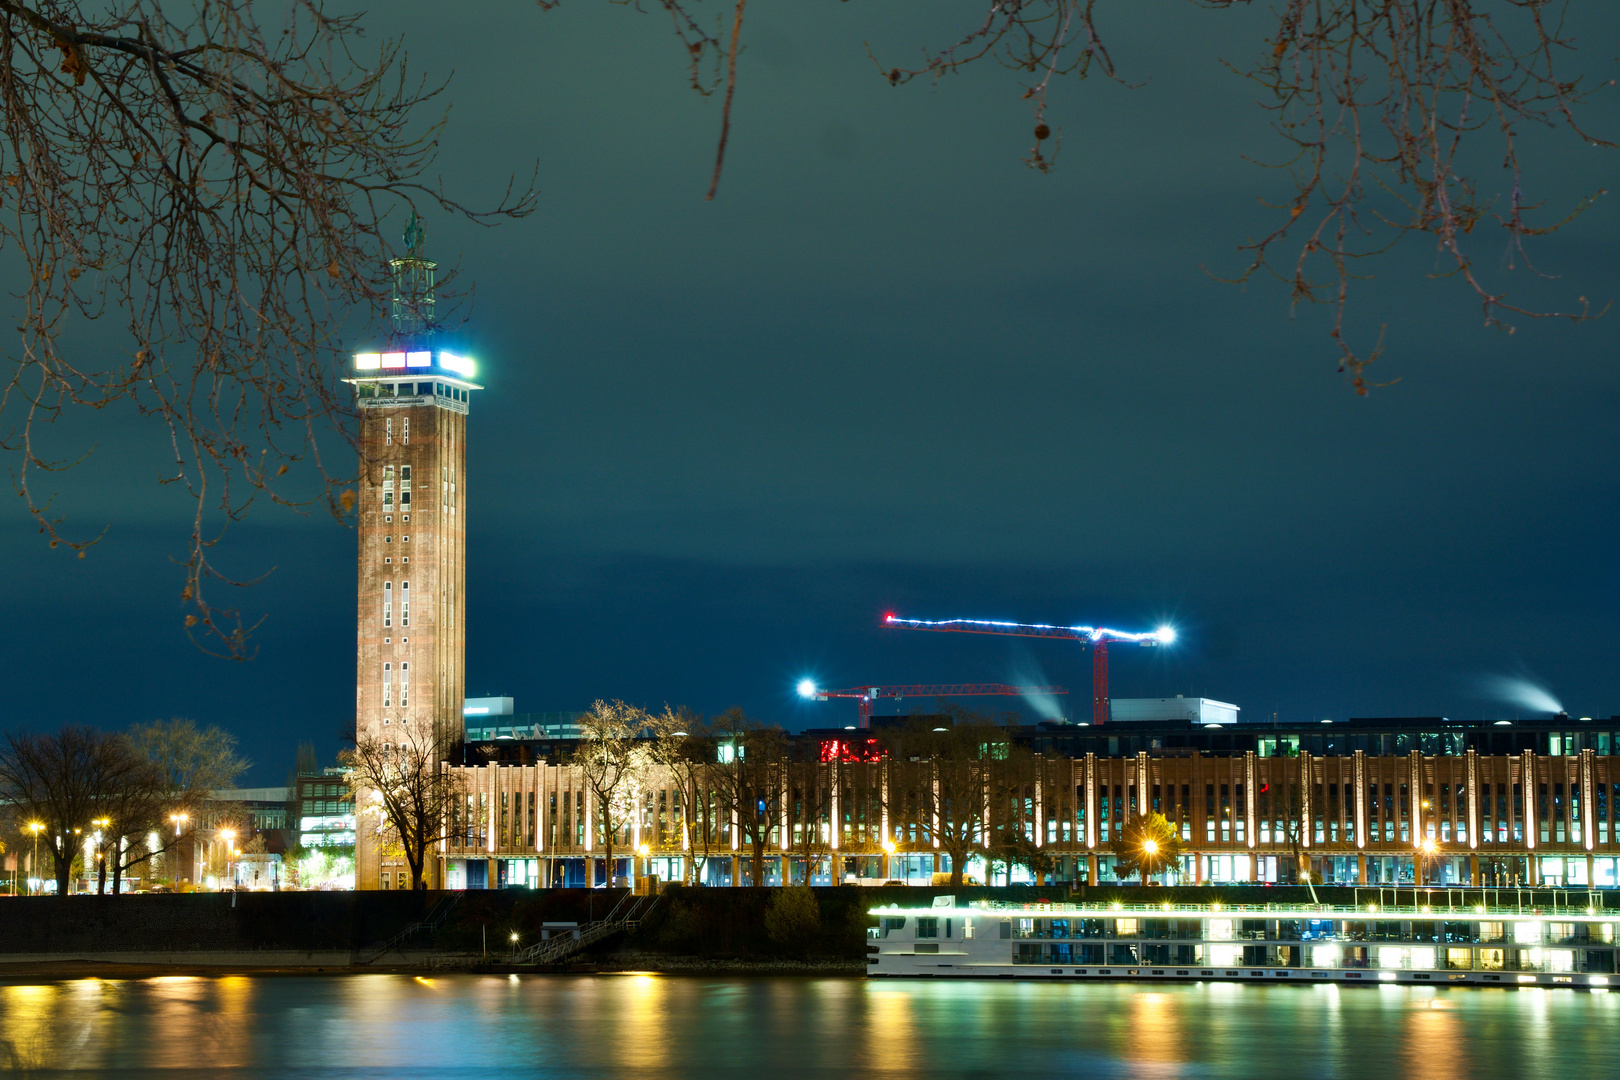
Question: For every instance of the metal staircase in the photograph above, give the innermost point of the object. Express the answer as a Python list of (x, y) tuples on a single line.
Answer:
[(429, 923), (626, 915)]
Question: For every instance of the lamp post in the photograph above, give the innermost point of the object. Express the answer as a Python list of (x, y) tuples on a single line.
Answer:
[(229, 836), (101, 823), (35, 827), (888, 858), (642, 851), (179, 820)]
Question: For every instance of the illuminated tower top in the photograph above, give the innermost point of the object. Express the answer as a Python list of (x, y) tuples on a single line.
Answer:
[(412, 352)]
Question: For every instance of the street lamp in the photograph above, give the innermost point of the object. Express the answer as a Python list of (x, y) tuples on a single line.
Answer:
[(101, 858), (1427, 849), (179, 820), (642, 851), (888, 858), (36, 827)]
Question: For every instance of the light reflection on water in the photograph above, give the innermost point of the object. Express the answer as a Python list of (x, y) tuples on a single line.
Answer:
[(684, 1026)]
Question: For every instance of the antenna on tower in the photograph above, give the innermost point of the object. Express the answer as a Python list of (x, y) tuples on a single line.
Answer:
[(412, 308)]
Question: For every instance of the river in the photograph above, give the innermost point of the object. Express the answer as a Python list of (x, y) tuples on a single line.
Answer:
[(687, 1026)]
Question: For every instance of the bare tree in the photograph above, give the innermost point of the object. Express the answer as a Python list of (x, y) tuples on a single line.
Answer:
[(613, 758), (220, 183), (1389, 111), (951, 779), (406, 791), (749, 778), (681, 747), (68, 780), (192, 764), (811, 828)]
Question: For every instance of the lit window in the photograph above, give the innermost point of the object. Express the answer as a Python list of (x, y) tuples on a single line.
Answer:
[(388, 603)]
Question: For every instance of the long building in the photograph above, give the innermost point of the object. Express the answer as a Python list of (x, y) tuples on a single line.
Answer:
[(1371, 802)]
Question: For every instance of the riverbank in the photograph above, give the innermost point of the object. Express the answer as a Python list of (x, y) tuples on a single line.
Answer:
[(696, 930)]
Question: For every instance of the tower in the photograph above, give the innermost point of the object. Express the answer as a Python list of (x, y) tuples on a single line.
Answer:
[(413, 398)]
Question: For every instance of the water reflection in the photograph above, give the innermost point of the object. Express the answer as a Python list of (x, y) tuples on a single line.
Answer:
[(679, 1027)]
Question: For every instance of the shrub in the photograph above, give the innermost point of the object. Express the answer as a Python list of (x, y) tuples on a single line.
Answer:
[(793, 919)]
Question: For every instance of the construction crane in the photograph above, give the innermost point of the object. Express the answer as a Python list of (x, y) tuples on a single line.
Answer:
[(1097, 637), (866, 695)]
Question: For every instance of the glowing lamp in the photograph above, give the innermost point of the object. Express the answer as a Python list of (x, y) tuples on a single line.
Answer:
[(807, 688), (461, 365), (1166, 635), (418, 359), (367, 361), (1150, 846), (393, 359)]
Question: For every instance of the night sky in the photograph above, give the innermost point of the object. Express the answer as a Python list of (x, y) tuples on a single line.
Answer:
[(891, 368)]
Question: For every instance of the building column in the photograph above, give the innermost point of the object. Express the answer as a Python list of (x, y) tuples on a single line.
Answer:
[(1361, 868), (1091, 866), (1473, 870)]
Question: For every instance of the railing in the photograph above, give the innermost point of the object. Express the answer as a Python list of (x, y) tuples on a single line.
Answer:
[(626, 915), (1451, 907), (429, 923)]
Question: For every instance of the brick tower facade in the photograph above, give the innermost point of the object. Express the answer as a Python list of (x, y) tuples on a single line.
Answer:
[(413, 399)]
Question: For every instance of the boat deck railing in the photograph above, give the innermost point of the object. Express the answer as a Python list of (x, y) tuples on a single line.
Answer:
[(1585, 908)]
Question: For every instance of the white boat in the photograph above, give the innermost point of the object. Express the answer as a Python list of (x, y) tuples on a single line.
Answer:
[(1479, 945)]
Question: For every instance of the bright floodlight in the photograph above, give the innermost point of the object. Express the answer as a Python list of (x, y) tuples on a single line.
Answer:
[(807, 688), (1166, 635)]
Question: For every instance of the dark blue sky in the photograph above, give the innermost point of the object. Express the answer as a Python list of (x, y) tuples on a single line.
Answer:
[(892, 368)]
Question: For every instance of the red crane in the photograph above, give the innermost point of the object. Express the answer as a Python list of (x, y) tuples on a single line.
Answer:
[(866, 695), (1097, 637)]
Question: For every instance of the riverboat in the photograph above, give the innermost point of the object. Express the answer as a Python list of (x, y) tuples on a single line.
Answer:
[(1425, 945)]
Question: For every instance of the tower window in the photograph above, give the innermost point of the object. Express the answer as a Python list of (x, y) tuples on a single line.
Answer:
[(388, 603), (404, 684), (388, 685), (404, 539), (388, 430), (405, 430), (388, 488), (404, 611)]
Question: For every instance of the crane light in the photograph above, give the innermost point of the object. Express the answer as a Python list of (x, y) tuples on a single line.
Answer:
[(807, 688), (1166, 635)]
